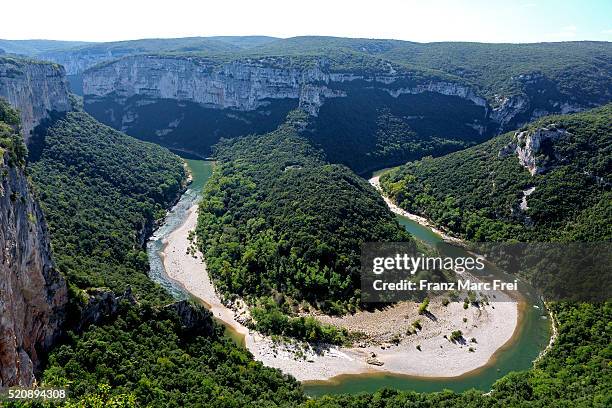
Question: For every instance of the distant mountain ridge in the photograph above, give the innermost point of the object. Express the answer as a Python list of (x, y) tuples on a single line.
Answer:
[(33, 47), (77, 56), (377, 103)]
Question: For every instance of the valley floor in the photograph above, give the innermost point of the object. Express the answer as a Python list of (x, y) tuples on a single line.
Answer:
[(492, 326)]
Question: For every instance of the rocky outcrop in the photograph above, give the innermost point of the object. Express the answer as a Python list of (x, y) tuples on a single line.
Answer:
[(534, 149), (100, 304), (193, 318), (508, 108), (33, 293), (249, 84), (35, 88), (246, 84), (443, 88)]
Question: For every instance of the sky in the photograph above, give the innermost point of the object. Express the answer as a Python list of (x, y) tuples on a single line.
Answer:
[(413, 20)]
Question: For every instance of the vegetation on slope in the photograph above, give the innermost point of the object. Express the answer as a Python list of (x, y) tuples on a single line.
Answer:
[(277, 217), (277, 220), (149, 358), (476, 192), (145, 357), (580, 71), (370, 129), (10, 136), (101, 192), (472, 192)]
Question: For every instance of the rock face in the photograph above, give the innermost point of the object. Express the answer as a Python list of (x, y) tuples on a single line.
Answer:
[(245, 85), (534, 148), (35, 88), (101, 304), (193, 318), (33, 293), (77, 62), (508, 109)]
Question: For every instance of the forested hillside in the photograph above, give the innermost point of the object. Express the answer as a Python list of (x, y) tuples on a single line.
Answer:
[(577, 67), (102, 191), (10, 139), (281, 226), (477, 194), (145, 357), (277, 218), (484, 193), (148, 357)]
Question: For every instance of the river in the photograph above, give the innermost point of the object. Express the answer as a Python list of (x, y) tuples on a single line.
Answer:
[(531, 337)]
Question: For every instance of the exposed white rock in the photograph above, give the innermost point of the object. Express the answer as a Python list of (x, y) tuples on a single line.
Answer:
[(477, 127), (242, 85), (33, 294), (508, 108), (526, 193), (35, 89), (570, 108), (441, 87), (527, 145)]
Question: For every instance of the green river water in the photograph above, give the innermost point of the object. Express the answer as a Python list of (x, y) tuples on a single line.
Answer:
[(531, 339), (532, 336)]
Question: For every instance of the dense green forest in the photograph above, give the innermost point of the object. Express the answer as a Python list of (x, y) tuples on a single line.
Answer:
[(147, 358), (476, 193), (277, 219), (282, 226), (150, 358), (371, 129), (101, 192)]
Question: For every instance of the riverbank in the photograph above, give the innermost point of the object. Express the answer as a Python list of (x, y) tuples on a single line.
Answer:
[(492, 326), (375, 182), (189, 270)]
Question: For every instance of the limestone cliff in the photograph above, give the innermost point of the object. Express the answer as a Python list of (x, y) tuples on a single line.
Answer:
[(33, 293), (534, 148), (246, 84), (35, 88)]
